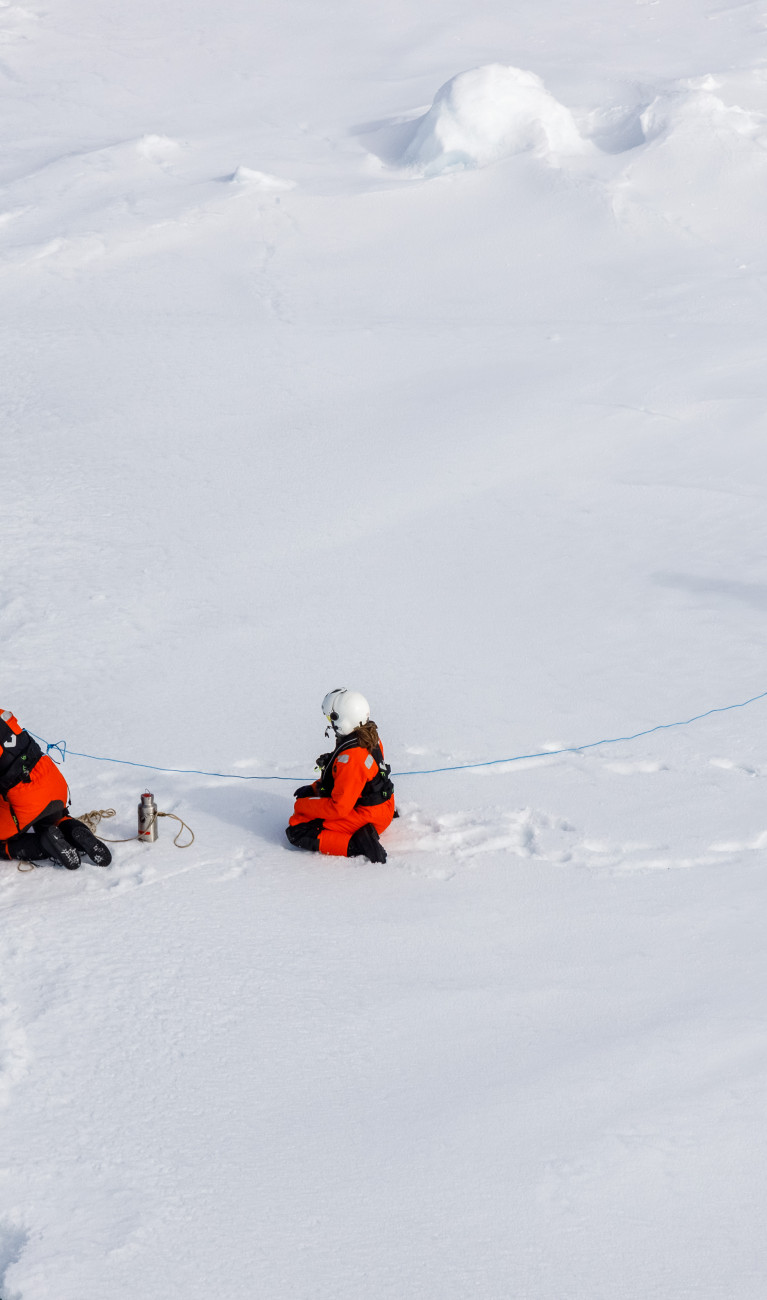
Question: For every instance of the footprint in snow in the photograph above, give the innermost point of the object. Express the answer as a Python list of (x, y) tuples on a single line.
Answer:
[(524, 833)]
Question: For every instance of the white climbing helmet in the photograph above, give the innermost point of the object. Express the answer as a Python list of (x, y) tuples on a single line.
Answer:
[(345, 710)]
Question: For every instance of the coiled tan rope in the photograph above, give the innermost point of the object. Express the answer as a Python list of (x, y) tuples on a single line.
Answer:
[(92, 819)]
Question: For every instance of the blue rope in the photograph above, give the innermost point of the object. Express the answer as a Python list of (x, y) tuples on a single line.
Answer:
[(593, 744), (61, 746)]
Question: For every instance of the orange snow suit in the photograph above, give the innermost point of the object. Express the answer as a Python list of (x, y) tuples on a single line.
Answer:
[(30, 782), (343, 810)]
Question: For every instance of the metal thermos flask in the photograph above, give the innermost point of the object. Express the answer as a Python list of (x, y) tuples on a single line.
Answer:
[(147, 818)]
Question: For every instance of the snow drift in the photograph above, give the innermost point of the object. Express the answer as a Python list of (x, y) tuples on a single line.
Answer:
[(701, 167), (486, 114)]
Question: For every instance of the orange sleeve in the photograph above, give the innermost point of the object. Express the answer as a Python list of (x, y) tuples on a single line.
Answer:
[(350, 776)]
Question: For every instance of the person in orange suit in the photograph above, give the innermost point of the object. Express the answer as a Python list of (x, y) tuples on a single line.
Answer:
[(352, 802), (34, 817)]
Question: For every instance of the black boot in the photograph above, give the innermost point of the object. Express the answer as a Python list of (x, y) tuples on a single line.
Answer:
[(57, 848), (80, 837), (365, 843), (25, 847), (306, 835)]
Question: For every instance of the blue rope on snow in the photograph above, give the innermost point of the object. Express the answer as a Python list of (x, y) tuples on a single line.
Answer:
[(593, 744), (61, 746)]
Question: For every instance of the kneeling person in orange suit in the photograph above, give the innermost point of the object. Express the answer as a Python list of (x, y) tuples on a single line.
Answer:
[(34, 818), (343, 812)]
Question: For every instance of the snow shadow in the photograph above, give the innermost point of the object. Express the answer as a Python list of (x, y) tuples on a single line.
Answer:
[(388, 139), (261, 812), (748, 593), (12, 1243), (616, 130)]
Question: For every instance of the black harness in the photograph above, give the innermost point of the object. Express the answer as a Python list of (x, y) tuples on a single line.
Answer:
[(18, 755), (377, 790)]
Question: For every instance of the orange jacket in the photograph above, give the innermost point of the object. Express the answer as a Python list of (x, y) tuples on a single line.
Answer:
[(29, 780), (19, 752), (351, 772)]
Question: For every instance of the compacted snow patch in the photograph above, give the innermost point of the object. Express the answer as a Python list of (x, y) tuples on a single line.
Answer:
[(486, 114)]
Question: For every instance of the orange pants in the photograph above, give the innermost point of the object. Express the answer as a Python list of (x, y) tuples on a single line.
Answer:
[(336, 833), (25, 801)]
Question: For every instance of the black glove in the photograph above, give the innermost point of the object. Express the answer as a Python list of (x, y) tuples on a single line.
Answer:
[(323, 760), (304, 792)]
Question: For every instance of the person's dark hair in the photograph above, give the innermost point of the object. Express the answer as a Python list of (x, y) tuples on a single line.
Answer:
[(368, 735)]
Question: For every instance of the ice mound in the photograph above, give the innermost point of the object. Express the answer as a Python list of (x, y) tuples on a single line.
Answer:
[(486, 114)]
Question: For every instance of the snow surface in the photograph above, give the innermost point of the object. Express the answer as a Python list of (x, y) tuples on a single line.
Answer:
[(294, 397)]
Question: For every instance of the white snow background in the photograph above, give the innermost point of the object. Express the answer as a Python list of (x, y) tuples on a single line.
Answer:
[(421, 349)]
